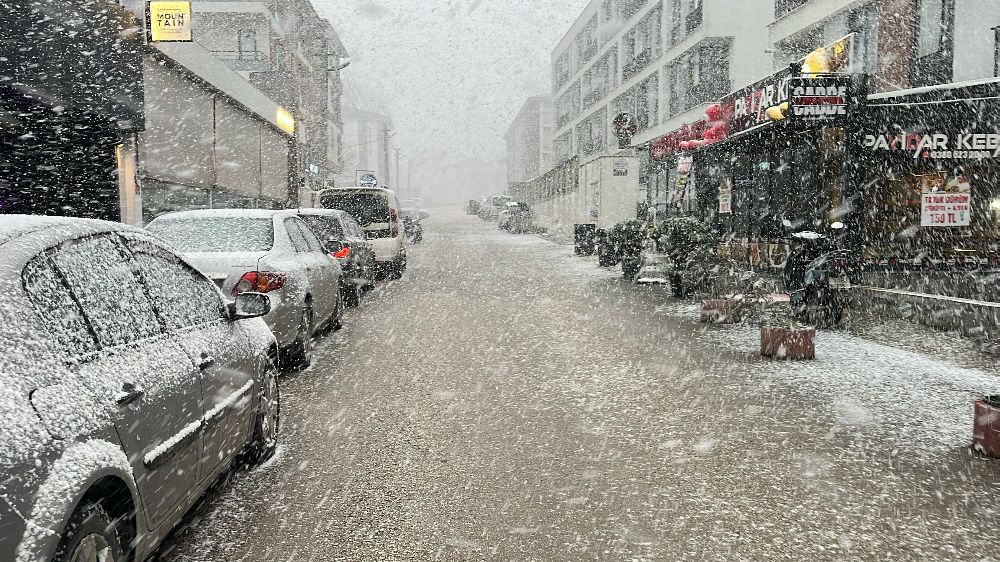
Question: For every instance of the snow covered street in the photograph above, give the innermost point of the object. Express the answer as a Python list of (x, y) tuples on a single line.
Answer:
[(509, 401)]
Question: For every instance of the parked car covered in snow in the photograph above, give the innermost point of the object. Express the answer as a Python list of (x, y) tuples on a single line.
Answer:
[(127, 385), (344, 239), (272, 252)]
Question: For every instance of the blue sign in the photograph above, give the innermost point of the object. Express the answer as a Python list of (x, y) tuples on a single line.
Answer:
[(368, 180)]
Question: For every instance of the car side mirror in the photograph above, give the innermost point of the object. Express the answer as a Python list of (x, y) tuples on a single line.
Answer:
[(249, 305), (333, 246)]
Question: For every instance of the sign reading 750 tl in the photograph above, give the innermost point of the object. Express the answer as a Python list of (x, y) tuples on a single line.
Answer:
[(169, 21)]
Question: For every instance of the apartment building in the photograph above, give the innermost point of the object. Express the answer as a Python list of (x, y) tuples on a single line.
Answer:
[(529, 148), (901, 43), (662, 61)]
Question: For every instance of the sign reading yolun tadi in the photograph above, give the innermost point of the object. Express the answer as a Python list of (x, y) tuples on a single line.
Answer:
[(169, 21)]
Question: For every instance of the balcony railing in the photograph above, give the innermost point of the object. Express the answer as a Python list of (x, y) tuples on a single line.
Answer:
[(248, 56), (694, 19), (594, 96), (782, 7), (639, 62)]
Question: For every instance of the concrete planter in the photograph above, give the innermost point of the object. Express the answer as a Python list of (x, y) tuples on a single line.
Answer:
[(721, 311), (788, 343), (986, 426)]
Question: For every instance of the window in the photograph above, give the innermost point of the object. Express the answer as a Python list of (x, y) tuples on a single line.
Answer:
[(295, 233), (930, 36), (102, 279), (312, 242), (324, 227), (247, 43), (182, 296), (695, 64), (54, 303)]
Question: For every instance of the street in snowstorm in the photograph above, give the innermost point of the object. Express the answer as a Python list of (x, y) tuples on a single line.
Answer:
[(510, 401)]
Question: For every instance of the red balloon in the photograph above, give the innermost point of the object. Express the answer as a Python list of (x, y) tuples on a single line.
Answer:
[(685, 145), (714, 112)]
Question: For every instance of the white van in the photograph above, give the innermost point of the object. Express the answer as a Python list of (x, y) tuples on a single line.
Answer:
[(377, 211)]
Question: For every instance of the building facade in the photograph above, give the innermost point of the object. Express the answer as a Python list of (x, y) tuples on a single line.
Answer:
[(211, 139), (368, 148), (294, 57), (662, 61), (529, 147)]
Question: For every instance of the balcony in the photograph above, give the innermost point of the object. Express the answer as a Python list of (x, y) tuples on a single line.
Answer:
[(594, 96), (694, 19), (639, 62), (782, 7)]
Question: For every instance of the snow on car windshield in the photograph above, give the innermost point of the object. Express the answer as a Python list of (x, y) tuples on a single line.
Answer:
[(324, 227), (216, 234), (366, 208)]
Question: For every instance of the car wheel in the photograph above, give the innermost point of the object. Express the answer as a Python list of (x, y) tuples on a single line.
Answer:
[(90, 536), (300, 355), (396, 269), (264, 439)]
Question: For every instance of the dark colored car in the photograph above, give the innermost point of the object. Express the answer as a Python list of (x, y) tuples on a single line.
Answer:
[(127, 386), (345, 240)]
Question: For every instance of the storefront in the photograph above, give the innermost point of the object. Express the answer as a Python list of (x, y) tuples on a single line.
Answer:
[(928, 162), (211, 139), (760, 174)]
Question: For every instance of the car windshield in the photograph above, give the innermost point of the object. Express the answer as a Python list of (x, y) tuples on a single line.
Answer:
[(216, 234), (324, 227), (366, 208)]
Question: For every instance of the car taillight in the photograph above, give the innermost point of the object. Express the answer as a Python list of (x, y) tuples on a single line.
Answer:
[(260, 282), (394, 222), (343, 253)]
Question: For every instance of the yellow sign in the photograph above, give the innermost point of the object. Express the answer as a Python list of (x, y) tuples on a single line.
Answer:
[(170, 21), (285, 121)]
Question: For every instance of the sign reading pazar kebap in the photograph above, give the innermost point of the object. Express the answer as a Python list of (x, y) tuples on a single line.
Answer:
[(963, 146)]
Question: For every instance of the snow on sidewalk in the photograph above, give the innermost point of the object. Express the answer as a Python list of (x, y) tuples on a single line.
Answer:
[(915, 402)]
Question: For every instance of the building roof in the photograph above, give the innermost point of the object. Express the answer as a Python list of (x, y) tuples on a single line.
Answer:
[(349, 112), (200, 62)]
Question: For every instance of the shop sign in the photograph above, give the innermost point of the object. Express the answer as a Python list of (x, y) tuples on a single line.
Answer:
[(747, 107), (620, 168), (825, 99), (945, 203), (169, 21), (367, 179), (726, 196), (964, 146)]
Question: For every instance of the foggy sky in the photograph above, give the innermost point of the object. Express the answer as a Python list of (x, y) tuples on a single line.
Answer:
[(451, 73)]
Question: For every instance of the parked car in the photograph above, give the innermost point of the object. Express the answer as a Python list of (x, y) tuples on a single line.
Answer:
[(343, 238), (377, 211), (272, 252), (516, 218), (492, 206), (472, 207), (128, 385)]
